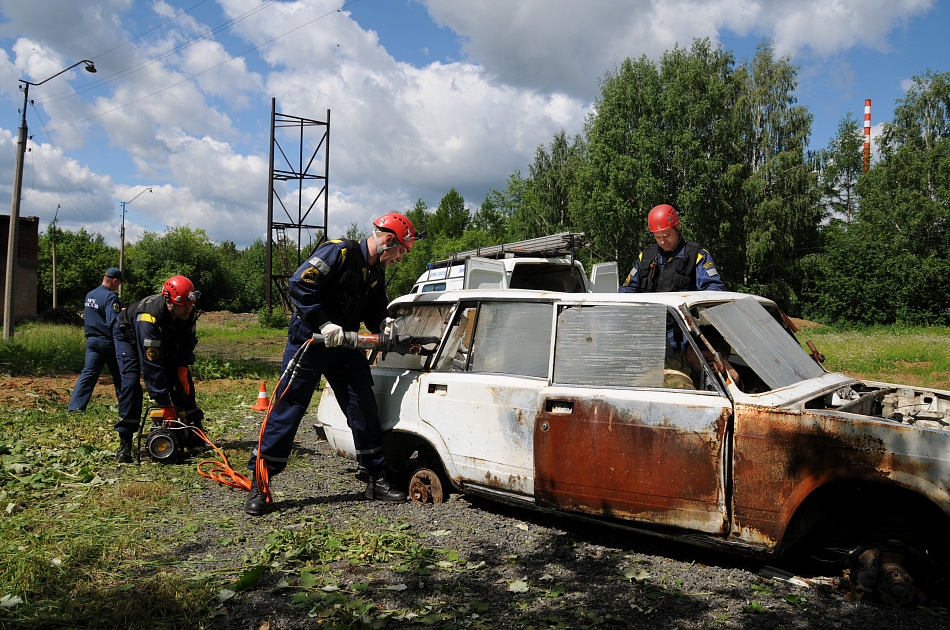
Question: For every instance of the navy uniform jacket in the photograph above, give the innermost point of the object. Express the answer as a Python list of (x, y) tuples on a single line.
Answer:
[(100, 312), (707, 276), (164, 344), (337, 285)]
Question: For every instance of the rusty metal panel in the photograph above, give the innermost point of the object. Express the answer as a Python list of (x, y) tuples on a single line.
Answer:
[(651, 456), (774, 355), (781, 456), (618, 345)]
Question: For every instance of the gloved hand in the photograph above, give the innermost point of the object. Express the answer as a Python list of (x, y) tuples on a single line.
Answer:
[(183, 377), (386, 326), (169, 413), (332, 335)]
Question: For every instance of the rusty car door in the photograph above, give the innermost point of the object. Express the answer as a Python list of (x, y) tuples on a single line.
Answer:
[(610, 440)]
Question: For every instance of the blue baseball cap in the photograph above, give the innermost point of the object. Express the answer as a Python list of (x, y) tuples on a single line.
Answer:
[(114, 272)]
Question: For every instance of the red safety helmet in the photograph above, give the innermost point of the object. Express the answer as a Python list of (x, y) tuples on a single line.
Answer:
[(399, 225), (663, 217), (180, 290)]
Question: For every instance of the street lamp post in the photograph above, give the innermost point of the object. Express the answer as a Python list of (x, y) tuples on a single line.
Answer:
[(15, 203), (122, 234)]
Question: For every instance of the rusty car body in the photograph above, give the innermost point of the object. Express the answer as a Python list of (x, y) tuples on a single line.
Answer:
[(578, 404)]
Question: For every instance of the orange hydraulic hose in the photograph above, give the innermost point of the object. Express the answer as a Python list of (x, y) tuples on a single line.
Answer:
[(222, 471)]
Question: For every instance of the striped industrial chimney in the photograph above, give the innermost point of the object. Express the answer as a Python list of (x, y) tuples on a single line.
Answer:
[(867, 134)]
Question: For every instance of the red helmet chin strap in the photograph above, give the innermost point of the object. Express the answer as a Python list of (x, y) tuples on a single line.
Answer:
[(382, 248)]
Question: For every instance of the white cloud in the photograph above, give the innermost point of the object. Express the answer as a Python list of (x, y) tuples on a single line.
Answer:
[(185, 117), (566, 45)]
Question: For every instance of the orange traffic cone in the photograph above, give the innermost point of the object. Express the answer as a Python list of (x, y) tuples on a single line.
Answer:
[(262, 400)]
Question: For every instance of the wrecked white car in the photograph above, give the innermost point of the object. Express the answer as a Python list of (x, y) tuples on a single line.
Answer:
[(694, 416)]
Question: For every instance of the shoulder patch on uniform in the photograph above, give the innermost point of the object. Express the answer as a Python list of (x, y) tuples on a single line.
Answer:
[(710, 264), (116, 307), (152, 354), (310, 275)]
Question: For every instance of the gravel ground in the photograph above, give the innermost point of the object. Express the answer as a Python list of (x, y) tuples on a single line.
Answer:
[(577, 575)]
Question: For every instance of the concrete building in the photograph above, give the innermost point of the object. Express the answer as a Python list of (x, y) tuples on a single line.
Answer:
[(26, 273)]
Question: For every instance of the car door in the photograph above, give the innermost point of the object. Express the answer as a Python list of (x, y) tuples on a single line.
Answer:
[(611, 440), (483, 391)]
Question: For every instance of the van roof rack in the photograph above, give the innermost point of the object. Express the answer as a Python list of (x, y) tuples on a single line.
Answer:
[(563, 244)]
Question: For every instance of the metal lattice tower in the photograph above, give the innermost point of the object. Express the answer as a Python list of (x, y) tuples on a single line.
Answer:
[(301, 165)]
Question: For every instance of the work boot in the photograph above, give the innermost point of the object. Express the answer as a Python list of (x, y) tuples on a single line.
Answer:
[(256, 503), (124, 454), (379, 488)]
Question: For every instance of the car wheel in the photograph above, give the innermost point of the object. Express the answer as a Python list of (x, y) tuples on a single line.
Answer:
[(425, 486)]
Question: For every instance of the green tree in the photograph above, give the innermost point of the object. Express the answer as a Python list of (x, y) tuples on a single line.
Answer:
[(451, 218), (842, 164), (553, 176), (355, 232), (419, 217), (81, 261), (513, 202), (902, 228), (181, 251), (780, 196), (661, 133), (492, 217)]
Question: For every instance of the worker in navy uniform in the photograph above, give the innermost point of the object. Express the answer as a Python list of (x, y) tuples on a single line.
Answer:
[(672, 264), (99, 313), (341, 285), (155, 340)]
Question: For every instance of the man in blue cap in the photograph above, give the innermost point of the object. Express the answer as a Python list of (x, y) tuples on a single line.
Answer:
[(100, 311)]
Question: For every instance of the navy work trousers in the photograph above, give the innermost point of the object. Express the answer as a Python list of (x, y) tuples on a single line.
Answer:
[(99, 352), (130, 399), (347, 371)]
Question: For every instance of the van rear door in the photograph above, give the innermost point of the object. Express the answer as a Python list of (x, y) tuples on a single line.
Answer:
[(481, 273), (604, 278)]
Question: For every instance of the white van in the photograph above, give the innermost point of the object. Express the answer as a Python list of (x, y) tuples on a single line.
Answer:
[(546, 264)]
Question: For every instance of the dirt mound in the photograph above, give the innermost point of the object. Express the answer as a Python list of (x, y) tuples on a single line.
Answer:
[(221, 317), (804, 324)]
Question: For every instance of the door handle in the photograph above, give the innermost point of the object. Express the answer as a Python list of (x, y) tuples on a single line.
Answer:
[(559, 406), (438, 388)]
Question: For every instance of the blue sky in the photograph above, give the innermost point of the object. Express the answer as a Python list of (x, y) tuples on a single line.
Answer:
[(425, 95)]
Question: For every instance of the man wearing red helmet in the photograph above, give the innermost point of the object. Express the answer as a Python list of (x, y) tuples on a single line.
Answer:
[(672, 264), (341, 285), (155, 340)]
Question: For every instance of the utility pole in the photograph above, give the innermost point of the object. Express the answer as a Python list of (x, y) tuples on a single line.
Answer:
[(122, 235), (15, 202), (52, 237)]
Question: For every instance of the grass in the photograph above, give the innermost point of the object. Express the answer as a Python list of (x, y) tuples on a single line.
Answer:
[(912, 355), (85, 544), (43, 349), (225, 349)]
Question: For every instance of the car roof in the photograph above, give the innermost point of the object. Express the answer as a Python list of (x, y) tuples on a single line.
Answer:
[(690, 298)]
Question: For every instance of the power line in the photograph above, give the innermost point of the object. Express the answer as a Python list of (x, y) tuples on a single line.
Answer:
[(198, 74), (157, 58), (65, 164)]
